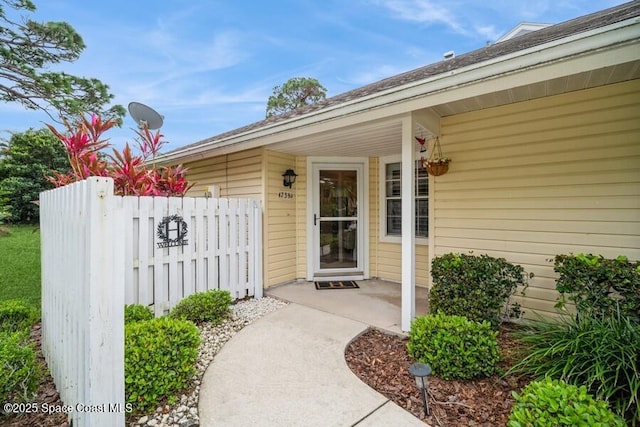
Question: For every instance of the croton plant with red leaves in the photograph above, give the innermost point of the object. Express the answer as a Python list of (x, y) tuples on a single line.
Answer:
[(132, 176)]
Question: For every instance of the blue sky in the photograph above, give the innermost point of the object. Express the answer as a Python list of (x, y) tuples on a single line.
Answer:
[(210, 66)]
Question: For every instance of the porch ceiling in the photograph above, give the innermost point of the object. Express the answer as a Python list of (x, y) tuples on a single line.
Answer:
[(384, 137)]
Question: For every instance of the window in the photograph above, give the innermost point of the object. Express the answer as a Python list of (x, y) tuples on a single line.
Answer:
[(391, 203)]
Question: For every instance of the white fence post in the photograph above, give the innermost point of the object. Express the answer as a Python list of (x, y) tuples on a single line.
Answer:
[(83, 299), (257, 249)]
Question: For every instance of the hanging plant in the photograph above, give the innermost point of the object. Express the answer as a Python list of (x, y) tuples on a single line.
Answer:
[(437, 164)]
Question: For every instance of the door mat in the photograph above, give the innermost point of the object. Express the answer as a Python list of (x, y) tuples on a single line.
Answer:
[(337, 284)]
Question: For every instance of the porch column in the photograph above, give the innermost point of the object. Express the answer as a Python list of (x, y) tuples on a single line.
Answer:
[(408, 223)]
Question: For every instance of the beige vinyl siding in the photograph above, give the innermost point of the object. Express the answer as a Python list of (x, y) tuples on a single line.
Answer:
[(386, 262), (389, 262), (280, 245), (236, 175), (374, 216), (551, 176), (301, 217)]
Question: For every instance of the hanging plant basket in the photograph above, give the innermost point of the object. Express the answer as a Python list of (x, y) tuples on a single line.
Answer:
[(437, 164), (437, 168)]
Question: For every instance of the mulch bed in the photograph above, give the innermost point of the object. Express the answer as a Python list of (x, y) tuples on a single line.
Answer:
[(381, 361)]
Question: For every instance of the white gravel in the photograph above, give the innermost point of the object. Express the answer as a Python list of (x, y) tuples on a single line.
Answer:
[(184, 412)]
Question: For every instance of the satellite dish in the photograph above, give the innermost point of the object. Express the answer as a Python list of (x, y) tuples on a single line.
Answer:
[(144, 114)]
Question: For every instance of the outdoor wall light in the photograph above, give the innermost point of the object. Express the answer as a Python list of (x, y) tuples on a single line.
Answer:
[(421, 372), (289, 178)]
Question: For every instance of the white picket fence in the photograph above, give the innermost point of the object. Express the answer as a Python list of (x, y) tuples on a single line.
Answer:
[(100, 252), (223, 249)]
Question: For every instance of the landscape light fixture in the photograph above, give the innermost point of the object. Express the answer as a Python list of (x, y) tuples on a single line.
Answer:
[(421, 372), (289, 178)]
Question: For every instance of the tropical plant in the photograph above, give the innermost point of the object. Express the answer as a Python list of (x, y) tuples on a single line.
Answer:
[(29, 50), (600, 352), (131, 173), (295, 93), (477, 287)]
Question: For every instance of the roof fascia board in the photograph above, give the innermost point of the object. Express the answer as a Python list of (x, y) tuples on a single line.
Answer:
[(583, 44), (531, 75)]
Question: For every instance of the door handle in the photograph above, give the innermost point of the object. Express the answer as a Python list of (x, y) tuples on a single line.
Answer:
[(315, 219)]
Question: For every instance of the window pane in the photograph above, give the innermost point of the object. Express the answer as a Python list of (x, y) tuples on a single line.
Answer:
[(422, 218), (394, 217), (394, 207), (422, 180), (338, 193), (420, 171), (394, 227), (338, 244), (393, 192), (422, 207), (393, 183), (422, 227), (422, 187), (393, 171), (393, 188)]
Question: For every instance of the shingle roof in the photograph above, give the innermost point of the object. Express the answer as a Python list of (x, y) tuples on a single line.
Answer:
[(536, 38)]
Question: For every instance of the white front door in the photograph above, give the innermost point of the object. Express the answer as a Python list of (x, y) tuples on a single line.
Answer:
[(336, 220)]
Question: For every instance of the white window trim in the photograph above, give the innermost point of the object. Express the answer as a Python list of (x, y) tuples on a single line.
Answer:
[(382, 203)]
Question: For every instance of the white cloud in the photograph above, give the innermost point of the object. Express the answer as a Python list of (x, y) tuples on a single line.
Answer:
[(483, 19), (423, 11), (489, 32), (373, 74), (532, 10), (188, 55)]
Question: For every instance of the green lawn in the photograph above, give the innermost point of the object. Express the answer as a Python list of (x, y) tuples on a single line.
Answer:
[(20, 265)]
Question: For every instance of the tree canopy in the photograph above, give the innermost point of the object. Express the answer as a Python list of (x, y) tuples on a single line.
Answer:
[(27, 51), (25, 161), (295, 93)]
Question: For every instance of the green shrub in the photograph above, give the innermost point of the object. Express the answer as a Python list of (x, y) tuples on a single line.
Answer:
[(210, 306), (598, 285), (477, 287), (454, 346), (16, 315), (137, 313), (598, 352), (5, 211), (26, 160), (159, 360), (553, 403), (21, 373)]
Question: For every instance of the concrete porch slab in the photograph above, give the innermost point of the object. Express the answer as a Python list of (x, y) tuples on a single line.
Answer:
[(375, 303)]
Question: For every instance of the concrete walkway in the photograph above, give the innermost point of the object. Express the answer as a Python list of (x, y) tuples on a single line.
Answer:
[(288, 369)]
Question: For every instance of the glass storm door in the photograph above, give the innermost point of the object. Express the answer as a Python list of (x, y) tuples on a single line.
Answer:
[(337, 218)]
